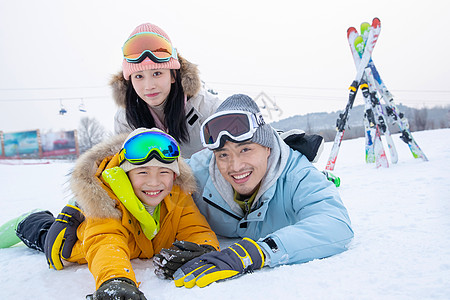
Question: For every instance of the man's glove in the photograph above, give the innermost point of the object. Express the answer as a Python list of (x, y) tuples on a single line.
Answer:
[(62, 235), (168, 261), (310, 145), (117, 288), (241, 257)]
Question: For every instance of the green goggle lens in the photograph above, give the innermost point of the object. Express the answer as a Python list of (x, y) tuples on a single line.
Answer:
[(138, 148)]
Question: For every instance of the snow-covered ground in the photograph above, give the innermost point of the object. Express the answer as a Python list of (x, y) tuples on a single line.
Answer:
[(401, 249)]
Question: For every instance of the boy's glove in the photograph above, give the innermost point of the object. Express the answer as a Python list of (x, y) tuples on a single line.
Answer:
[(310, 145), (117, 288), (241, 257), (167, 261), (62, 235)]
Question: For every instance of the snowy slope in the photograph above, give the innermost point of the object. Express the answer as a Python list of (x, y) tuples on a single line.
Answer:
[(401, 250)]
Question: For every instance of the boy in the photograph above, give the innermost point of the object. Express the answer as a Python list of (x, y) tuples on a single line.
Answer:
[(138, 202)]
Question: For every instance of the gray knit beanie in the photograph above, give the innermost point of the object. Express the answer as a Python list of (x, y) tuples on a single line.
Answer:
[(264, 134)]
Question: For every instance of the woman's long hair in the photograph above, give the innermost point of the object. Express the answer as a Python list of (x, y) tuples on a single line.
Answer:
[(138, 113)]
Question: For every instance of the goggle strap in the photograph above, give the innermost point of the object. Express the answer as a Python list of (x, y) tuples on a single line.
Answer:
[(259, 119), (153, 154), (152, 57)]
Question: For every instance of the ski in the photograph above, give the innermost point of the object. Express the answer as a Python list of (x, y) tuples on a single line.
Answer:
[(343, 117), (369, 130), (396, 115), (380, 155), (333, 178), (369, 134), (370, 96), (368, 121), (378, 149), (380, 116)]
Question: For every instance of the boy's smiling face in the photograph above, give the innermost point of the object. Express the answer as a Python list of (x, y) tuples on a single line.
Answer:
[(151, 184)]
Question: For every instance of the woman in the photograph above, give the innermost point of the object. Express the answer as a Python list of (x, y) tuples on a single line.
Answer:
[(159, 88)]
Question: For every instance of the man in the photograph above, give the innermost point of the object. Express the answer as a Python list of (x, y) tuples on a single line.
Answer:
[(253, 186)]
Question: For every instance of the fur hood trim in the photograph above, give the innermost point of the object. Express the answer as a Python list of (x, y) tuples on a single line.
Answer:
[(190, 79), (89, 191)]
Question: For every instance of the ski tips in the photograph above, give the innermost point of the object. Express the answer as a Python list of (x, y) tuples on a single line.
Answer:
[(376, 22), (351, 30), (365, 26), (359, 45)]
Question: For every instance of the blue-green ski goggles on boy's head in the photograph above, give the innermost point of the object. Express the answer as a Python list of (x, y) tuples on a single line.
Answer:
[(144, 146)]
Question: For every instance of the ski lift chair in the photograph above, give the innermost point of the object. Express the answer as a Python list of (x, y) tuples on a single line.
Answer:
[(81, 107), (62, 110)]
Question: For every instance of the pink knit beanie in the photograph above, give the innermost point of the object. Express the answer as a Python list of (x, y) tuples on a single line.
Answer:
[(148, 64)]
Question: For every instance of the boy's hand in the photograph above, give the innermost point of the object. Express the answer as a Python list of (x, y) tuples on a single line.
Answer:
[(62, 235), (117, 288), (168, 261)]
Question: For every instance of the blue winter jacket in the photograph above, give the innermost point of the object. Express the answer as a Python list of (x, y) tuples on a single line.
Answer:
[(297, 215)]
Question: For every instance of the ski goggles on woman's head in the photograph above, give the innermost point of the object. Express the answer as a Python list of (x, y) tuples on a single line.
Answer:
[(148, 44), (238, 126), (144, 146)]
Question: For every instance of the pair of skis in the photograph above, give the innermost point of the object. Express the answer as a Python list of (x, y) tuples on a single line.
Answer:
[(369, 81), (374, 119), (341, 122), (377, 84)]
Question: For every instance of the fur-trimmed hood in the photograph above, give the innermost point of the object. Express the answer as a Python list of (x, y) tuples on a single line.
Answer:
[(190, 79), (89, 190)]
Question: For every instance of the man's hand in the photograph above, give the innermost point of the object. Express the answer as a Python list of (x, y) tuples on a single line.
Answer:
[(168, 261), (241, 257), (62, 235)]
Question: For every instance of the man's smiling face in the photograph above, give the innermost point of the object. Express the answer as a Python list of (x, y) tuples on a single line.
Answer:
[(243, 165)]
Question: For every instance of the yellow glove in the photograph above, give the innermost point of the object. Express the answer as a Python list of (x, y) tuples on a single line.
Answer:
[(62, 235), (240, 258)]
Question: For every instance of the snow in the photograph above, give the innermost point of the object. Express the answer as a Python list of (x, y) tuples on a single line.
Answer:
[(401, 249)]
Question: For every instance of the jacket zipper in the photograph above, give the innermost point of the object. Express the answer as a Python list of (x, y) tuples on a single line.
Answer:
[(247, 209), (221, 209)]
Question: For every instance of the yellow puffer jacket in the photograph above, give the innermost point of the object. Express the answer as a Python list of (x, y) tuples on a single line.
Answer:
[(111, 236)]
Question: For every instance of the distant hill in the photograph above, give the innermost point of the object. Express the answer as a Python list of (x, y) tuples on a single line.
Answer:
[(325, 123)]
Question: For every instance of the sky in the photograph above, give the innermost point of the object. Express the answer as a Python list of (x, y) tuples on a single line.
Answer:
[(400, 217), (58, 54)]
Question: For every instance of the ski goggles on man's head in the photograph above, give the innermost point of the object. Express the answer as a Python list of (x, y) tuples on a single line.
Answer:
[(147, 145), (237, 126), (148, 44)]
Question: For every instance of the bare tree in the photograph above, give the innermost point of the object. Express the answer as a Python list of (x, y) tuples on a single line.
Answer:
[(308, 124), (420, 119), (90, 133)]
